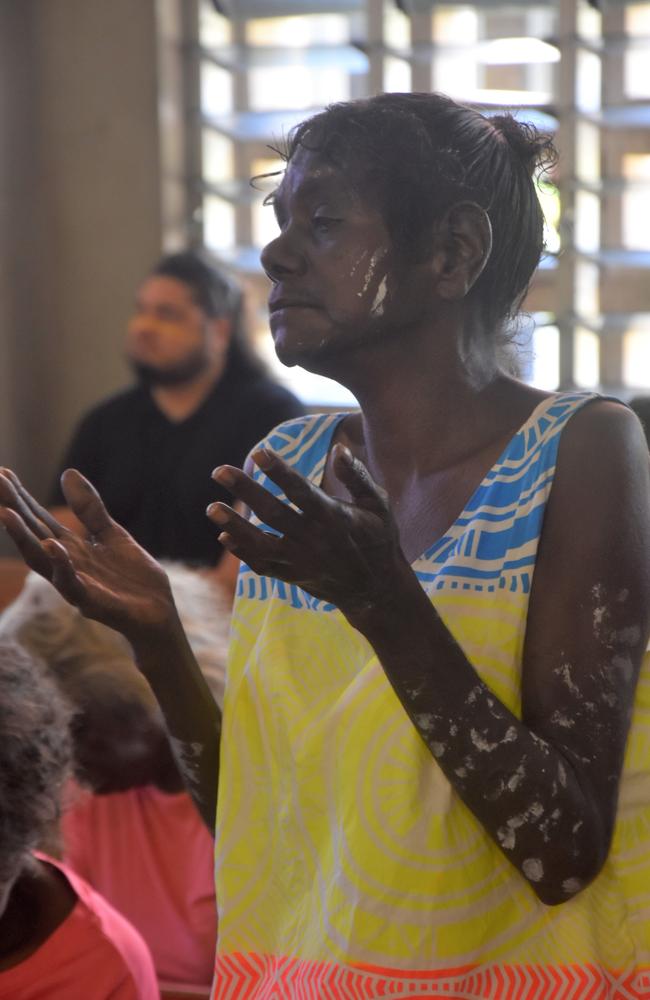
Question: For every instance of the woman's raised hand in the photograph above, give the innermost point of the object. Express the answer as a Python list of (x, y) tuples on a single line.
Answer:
[(106, 574), (345, 553)]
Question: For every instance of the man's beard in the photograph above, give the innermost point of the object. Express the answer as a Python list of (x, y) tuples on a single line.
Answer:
[(179, 374)]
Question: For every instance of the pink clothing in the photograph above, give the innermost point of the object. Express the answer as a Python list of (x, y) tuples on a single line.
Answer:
[(151, 856), (94, 954)]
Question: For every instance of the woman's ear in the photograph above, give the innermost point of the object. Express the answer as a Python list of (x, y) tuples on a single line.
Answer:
[(462, 247)]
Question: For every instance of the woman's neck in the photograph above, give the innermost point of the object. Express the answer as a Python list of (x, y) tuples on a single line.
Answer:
[(407, 436), (39, 901), (421, 407)]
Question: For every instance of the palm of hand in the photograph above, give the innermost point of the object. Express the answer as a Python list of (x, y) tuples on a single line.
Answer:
[(121, 585), (107, 575)]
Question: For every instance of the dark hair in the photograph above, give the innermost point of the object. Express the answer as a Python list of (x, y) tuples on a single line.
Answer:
[(217, 295), (35, 755), (417, 154)]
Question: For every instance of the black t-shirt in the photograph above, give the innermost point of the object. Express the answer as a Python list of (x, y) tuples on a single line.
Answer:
[(154, 474)]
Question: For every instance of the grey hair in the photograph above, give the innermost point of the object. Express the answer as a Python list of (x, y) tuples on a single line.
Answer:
[(42, 621), (35, 755)]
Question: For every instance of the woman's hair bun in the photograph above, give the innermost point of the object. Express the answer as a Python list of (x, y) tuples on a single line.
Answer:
[(535, 149)]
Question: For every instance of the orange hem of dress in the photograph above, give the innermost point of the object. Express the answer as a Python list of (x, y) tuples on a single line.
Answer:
[(240, 976)]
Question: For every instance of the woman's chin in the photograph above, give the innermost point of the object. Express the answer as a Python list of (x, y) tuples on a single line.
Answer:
[(292, 349)]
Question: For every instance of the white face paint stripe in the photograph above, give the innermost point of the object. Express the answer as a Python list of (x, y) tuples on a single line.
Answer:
[(374, 260), (378, 305), (357, 262)]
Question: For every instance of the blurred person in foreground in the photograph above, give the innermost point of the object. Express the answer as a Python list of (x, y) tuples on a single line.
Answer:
[(59, 939), (434, 773), (130, 829), (201, 399)]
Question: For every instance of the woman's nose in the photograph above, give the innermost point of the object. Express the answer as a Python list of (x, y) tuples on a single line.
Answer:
[(282, 257)]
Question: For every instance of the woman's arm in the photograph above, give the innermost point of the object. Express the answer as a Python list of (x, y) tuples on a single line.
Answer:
[(113, 580), (544, 787), (191, 714)]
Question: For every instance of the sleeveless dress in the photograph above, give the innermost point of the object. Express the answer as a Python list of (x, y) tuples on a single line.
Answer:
[(347, 866)]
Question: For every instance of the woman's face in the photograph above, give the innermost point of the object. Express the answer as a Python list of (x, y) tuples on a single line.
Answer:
[(333, 267)]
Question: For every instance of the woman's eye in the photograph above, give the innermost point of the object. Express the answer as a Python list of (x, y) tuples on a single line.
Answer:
[(323, 223)]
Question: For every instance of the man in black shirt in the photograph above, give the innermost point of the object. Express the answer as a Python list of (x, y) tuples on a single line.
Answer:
[(201, 400)]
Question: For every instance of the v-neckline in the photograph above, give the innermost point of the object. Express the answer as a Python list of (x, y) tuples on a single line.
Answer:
[(316, 477)]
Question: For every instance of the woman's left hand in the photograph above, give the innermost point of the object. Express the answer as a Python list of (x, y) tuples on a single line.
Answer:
[(345, 553)]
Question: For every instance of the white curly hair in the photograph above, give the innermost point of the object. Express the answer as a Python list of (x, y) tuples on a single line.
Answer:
[(46, 625)]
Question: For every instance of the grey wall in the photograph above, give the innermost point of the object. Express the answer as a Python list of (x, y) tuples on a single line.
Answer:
[(80, 210)]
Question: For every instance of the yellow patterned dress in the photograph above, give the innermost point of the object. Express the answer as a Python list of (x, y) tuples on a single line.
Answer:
[(347, 866)]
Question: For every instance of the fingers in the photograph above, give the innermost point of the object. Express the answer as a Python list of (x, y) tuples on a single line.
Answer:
[(311, 501), (40, 512), (356, 478), (63, 575), (261, 550), (84, 500), (27, 543), (14, 495), (269, 509), (307, 497)]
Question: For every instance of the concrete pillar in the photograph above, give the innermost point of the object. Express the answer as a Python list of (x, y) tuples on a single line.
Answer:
[(80, 210)]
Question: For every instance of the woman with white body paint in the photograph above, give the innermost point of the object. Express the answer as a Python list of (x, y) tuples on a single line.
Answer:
[(430, 781)]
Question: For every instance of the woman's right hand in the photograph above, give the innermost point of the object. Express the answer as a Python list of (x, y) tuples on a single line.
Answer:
[(107, 575)]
